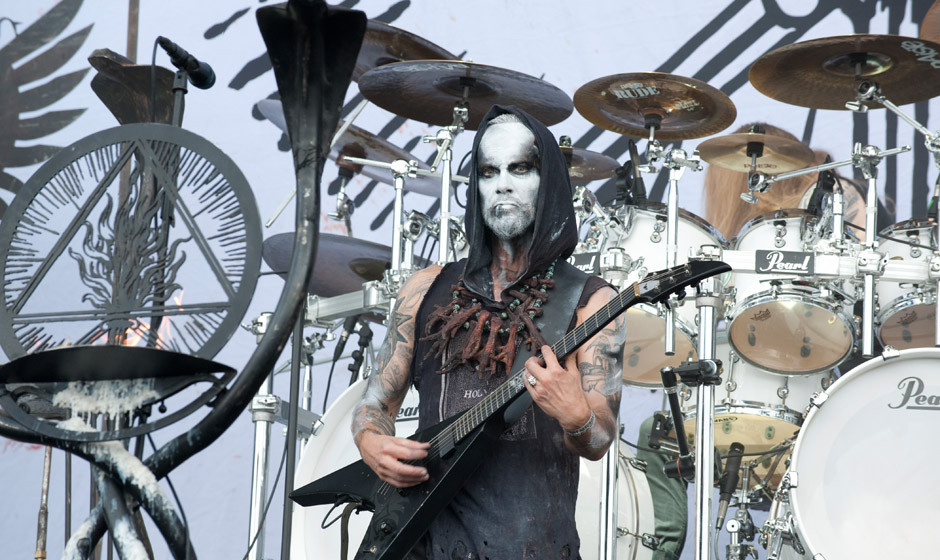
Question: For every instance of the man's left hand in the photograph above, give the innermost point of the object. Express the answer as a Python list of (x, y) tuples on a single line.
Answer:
[(556, 388)]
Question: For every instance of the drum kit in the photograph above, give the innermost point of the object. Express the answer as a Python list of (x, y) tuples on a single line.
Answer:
[(804, 296)]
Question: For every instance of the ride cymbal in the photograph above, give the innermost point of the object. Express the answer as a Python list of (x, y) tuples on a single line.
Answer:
[(342, 264), (821, 73), (427, 90), (384, 44), (683, 107), (780, 154)]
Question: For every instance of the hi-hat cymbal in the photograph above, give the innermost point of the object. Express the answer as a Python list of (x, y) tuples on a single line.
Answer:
[(384, 44), (821, 73), (780, 154), (426, 91), (585, 166), (342, 263), (356, 142), (624, 103)]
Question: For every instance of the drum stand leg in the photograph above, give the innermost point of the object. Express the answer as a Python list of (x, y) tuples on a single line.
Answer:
[(705, 374), (262, 414), (707, 301), (608, 540)]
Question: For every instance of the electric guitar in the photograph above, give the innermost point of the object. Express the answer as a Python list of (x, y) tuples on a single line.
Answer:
[(460, 443)]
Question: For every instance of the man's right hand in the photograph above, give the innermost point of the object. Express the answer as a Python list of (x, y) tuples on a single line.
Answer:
[(385, 456)]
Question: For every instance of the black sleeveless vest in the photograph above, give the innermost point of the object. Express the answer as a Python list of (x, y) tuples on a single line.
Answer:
[(520, 503)]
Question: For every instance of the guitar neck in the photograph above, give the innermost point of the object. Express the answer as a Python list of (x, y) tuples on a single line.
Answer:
[(572, 340)]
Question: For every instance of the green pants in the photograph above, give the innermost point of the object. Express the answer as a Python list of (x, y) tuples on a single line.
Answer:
[(670, 505)]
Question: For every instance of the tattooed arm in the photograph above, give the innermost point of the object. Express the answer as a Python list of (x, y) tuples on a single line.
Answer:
[(588, 382), (373, 425)]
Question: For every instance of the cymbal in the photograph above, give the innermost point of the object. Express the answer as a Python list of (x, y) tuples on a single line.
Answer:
[(930, 27), (426, 91), (623, 103), (385, 44), (820, 73), (356, 142), (780, 154), (342, 263), (585, 166)]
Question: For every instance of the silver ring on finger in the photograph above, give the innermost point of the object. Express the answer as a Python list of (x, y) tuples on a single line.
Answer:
[(532, 380)]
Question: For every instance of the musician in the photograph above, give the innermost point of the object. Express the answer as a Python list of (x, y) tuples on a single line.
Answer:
[(455, 333), (725, 209)]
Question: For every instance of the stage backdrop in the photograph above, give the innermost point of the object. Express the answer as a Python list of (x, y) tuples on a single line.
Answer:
[(565, 43)]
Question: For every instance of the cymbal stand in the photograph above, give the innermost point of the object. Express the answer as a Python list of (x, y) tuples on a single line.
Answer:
[(339, 134), (708, 300), (344, 204), (869, 91), (676, 161), (445, 142), (262, 414)]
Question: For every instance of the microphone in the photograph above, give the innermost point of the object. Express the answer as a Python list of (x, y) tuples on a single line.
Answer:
[(349, 326), (730, 481), (200, 73), (824, 184), (637, 186)]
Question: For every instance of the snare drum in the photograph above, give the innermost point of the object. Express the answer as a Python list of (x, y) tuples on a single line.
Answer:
[(860, 478), (629, 251), (907, 312), (332, 448), (759, 409), (782, 322)]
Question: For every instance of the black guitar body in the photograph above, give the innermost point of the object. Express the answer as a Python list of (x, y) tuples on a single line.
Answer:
[(401, 516)]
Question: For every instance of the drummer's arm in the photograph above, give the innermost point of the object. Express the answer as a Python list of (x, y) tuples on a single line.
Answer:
[(373, 425)]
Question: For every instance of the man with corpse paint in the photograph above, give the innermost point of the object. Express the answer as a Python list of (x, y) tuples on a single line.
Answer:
[(456, 333)]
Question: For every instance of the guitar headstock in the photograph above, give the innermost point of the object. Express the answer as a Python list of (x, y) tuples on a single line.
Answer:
[(658, 286)]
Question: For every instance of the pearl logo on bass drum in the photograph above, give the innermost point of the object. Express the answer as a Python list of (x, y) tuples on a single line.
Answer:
[(913, 397), (775, 262)]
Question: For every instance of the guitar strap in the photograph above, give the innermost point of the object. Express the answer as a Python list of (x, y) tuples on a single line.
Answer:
[(553, 324)]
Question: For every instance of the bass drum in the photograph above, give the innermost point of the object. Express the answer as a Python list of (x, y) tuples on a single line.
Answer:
[(332, 448), (862, 464)]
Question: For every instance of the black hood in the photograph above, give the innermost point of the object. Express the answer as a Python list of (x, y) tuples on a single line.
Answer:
[(555, 234)]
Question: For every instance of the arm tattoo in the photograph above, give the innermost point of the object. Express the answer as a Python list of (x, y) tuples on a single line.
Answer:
[(387, 387), (601, 374)]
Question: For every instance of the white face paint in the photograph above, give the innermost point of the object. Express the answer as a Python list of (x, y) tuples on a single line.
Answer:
[(508, 179)]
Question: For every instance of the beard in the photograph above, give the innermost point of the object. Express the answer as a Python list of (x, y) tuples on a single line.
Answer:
[(508, 223)]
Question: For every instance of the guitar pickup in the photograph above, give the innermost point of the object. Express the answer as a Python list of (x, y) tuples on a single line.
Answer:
[(446, 444)]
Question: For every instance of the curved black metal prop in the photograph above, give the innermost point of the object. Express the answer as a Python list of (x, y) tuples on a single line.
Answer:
[(313, 48)]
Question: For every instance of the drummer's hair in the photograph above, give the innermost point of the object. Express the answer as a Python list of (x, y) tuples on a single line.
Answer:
[(724, 207)]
